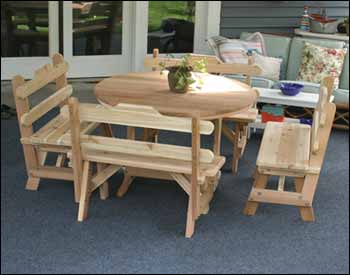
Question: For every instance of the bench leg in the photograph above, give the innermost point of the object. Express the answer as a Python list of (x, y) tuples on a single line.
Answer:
[(252, 206), (104, 188), (191, 221), (241, 137), (125, 185), (85, 193)]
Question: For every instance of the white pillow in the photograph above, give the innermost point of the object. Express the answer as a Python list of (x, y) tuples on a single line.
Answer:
[(270, 66)]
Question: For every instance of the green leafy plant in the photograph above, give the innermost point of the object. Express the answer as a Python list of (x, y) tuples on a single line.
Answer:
[(180, 76)]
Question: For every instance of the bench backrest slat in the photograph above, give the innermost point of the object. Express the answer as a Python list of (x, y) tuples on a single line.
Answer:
[(222, 68), (214, 65), (140, 148), (45, 106), (138, 116), (42, 77)]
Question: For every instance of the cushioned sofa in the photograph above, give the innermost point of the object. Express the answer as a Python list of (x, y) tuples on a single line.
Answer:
[(290, 50)]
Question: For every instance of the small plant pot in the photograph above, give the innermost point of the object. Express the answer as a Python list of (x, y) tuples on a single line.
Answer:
[(173, 80)]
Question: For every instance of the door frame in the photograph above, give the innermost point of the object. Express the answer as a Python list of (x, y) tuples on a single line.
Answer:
[(207, 24), (25, 66), (97, 65)]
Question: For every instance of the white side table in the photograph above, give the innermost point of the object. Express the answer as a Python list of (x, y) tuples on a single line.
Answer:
[(275, 96)]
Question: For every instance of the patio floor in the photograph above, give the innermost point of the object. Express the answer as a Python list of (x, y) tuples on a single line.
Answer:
[(144, 232)]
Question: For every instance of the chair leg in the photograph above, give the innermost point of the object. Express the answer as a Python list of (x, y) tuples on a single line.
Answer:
[(85, 193), (125, 185), (33, 158), (307, 213), (260, 183), (191, 221), (32, 184)]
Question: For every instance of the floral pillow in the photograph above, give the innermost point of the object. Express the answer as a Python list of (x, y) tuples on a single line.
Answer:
[(319, 62)]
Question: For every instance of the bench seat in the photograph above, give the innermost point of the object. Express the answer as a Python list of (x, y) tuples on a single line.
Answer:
[(152, 163), (285, 146), (57, 132)]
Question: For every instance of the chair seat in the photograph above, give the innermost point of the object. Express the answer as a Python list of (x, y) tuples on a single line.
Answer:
[(248, 116), (285, 146), (57, 132), (153, 163)]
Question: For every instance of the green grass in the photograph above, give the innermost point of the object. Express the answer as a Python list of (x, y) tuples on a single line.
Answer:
[(160, 10)]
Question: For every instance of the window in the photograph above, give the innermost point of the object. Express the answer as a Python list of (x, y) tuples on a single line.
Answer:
[(24, 28), (97, 27), (171, 26)]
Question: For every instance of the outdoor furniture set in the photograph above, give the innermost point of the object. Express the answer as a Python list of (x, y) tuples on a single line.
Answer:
[(143, 100)]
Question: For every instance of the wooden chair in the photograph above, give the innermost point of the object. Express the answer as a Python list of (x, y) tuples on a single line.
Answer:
[(239, 136), (194, 169), (293, 150), (48, 139)]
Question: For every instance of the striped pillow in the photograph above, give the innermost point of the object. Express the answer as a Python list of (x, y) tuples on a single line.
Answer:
[(235, 50)]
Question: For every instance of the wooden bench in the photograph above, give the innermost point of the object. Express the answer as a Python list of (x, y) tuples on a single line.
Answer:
[(239, 135), (48, 139), (293, 150), (145, 159)]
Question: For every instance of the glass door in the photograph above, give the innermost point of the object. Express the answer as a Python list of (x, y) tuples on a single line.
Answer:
[(97, 37), (174, 27), (29, 35), (171, 26)]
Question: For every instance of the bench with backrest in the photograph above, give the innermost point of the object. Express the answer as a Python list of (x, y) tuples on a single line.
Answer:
[(297, 151), (239, 136), (49, 138), (142, 158)]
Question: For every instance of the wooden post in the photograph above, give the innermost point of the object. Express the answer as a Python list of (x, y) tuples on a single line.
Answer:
[(76, 150), (30, 154), (328, 82), (196, 144), (155, 55), (249, 77)]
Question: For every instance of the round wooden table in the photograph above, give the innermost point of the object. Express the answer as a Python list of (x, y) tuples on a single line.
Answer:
[(219, 96)]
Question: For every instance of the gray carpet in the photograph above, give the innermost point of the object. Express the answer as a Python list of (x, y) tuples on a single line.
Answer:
[(144, 232)]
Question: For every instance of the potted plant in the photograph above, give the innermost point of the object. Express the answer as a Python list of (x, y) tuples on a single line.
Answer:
[(181, 76)]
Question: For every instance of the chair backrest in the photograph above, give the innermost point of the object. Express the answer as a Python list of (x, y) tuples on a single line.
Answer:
[(22, 90), (214, 65), (320, 113), (135, 116)]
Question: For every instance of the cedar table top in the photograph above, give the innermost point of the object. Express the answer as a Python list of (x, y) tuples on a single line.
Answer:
[(218, 97)]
